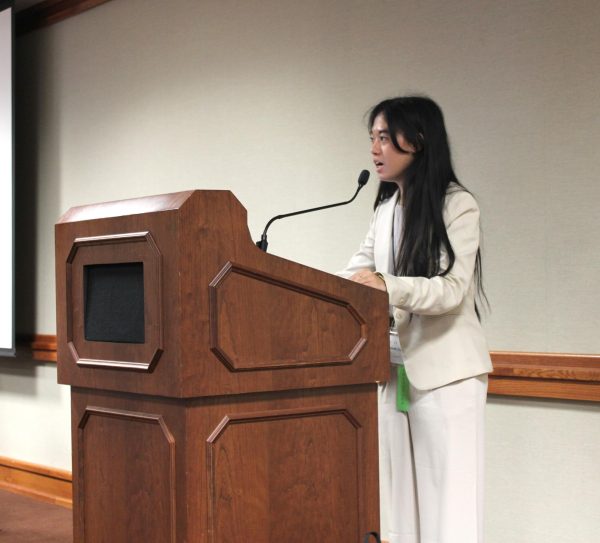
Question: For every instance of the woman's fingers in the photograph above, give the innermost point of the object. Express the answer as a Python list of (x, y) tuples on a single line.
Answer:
[(368, 278)]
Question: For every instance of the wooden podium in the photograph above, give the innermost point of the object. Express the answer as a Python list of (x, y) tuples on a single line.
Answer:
[(219, 394)]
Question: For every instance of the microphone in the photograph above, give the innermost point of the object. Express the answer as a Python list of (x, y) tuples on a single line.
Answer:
[(362, 181)]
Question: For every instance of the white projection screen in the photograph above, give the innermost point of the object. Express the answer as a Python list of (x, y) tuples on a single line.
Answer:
[(7, 332)]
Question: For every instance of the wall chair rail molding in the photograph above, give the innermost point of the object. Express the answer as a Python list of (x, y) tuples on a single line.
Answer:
[(535, 375), (546, 375), (40, 347), (48, 12)]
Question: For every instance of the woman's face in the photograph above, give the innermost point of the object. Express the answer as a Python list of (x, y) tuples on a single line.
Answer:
[(390, 163)]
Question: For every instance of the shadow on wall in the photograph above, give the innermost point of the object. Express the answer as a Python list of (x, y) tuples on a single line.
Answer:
[(21, 375), (28, 90), (17, 375)]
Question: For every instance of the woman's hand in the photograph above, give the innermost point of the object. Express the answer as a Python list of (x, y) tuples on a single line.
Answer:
[(369, 278)]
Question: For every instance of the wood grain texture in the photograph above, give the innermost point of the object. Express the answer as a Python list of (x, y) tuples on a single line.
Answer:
[(575, 367), (126, 473), (48, 484), (546, 375), (307, 329), (286, 481), (40, 347), (536, 375), (50, 12), (259, 420), (545, 388), (115, 249), (295, 328), (285, 466)]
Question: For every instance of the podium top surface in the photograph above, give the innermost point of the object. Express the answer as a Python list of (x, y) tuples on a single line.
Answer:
[(131, 206)]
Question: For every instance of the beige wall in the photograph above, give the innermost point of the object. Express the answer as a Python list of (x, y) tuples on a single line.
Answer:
[(542, 476), (266, 98)]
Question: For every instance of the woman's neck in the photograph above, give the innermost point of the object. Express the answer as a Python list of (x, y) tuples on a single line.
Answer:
[(400, 184)]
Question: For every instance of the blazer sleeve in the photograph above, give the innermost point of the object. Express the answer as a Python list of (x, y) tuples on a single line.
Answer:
[(364, 257), (442, 294)]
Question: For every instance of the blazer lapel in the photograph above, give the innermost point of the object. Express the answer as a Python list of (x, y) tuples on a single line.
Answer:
[(382, 251)]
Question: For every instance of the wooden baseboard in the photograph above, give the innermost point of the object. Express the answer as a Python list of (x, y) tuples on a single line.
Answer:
[(46, 484)]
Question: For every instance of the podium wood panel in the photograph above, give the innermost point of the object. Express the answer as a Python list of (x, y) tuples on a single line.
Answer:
[(317, 319), (249, 412), (300, 327), (126, 462), (300, 478), (289, 466)]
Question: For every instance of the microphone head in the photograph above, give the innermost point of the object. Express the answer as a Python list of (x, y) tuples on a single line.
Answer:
[(363, 178)]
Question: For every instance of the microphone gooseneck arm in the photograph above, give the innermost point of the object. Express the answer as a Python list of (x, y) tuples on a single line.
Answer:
[(263, 243)]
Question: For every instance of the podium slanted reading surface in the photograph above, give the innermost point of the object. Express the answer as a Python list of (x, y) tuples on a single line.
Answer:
[(219, 394)]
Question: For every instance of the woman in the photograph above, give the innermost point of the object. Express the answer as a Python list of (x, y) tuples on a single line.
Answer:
[(422, 247)]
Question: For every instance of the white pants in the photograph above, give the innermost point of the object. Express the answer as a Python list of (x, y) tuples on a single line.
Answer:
[(431, 463)]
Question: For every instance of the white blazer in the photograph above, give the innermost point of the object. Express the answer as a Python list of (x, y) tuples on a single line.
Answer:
[(443, 342)]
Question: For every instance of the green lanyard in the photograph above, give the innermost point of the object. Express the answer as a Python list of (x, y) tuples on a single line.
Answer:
[(403, 385), (402, 390)]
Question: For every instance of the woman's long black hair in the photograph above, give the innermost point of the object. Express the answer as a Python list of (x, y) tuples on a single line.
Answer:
[(427, 180)]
